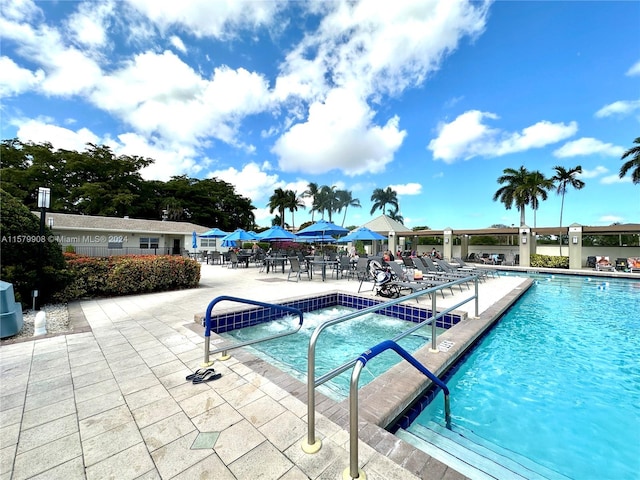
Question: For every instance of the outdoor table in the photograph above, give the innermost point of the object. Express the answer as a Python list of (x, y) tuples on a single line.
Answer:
[(244, 257), (323, 264), (272, 261)]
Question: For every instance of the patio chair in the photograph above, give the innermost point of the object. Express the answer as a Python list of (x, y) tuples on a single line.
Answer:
[(604, 265), (233, 260), (216, 258), (296, 269), (345, 267)]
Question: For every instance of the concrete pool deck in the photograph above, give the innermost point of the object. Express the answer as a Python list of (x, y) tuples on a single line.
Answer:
[(113, 402)]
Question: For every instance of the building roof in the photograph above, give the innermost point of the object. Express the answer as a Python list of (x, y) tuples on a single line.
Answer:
[(68, 221), (383, 225)]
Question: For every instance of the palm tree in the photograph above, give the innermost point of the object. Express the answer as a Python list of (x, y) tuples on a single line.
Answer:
[(537, 185), (326, 200), (381, 198), (293, 202), (514, 190), (278, 201), (395, 215), (311, 192), (632, 163), (566, 178), (346, 200)]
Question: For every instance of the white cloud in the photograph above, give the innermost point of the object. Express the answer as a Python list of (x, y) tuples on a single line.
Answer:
[(588, 146), (610, 179), (39, 131), (205, 18), (621, 107), (407, 189), (593, 173), (252, 181), (89, 23), (339, 134), (15, 79), (468, 136), (635, 69), (178, 43)]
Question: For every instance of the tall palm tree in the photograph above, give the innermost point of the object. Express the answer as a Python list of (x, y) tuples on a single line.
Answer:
[(537, 185), (293, 202), (346, 200), (311, 192), (381, 198), (395, 215), (566, 178), (514, 191), (632, 163), (327, 200), (278, 201)]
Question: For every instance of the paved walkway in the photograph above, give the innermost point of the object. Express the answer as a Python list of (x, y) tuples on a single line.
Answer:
[(113, 402)]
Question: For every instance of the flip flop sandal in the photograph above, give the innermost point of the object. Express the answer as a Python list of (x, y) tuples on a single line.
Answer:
[(198, 373), (210, 376)]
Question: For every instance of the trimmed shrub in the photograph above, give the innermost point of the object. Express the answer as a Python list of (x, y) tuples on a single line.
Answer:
[(549, 261), (29, 261), (130, 274)]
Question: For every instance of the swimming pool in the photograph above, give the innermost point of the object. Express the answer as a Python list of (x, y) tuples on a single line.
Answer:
[(557, 380), (337, 345)]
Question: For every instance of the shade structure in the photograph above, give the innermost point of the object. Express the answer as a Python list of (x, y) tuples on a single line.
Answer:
[(276, 233), (322, 227), (239, 234), (362, 233), (316, 239), (214, 233), (194, 240)]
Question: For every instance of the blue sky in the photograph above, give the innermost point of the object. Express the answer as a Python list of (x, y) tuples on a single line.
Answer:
[(434, 99)]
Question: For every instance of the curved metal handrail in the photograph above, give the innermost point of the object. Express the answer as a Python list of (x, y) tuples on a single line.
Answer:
[(362, 360), (207, 324)]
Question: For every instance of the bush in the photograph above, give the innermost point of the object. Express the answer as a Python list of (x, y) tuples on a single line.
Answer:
[(130, 274), (549, 261), (29, 261)]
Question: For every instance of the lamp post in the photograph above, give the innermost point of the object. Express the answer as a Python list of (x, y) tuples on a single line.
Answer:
[(44, 199)]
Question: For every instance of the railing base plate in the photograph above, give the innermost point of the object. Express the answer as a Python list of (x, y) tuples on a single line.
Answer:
[(315, 448), (346, 474)]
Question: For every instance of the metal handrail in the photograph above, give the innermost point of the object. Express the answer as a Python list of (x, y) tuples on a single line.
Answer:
[(311, 445), (362, 360), (207, 324)]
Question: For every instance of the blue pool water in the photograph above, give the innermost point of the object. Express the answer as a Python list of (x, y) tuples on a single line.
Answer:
[(336, 345), (558, 379)]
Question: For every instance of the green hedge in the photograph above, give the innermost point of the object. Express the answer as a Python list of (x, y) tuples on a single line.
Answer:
[(549, 261), (129, 274)]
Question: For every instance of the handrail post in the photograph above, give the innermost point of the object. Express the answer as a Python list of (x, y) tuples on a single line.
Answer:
[(311, 445), (353, 471), (475, 281), (434, 313)]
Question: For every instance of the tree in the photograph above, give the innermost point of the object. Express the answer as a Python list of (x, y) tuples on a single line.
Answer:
[(381, 198), (326, 200), (346, 200), (395, 215), (537, 185), (278, 201), (311, 192), (292, 204), (566, 178), (632, 163), (514, 191)]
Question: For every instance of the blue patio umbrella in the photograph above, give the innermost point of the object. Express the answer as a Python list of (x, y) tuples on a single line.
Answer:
[(316, 239), (276, 233), (194, 240), (322, 227), (238, 235), (362, 233), (214, 233)]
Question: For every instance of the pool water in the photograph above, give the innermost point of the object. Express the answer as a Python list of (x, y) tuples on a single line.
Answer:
[(558, 379), (336, 345)]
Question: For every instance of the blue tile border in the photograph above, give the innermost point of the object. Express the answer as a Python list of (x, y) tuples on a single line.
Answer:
[(229, 321)]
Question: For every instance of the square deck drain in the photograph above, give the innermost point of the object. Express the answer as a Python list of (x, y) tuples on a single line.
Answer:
[(205, 440)]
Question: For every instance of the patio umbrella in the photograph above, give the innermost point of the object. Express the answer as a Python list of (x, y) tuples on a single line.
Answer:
[(214, 233), (238, 235), (316, 239), (194, 240), (276, 233), (362, 233), (322, 227)]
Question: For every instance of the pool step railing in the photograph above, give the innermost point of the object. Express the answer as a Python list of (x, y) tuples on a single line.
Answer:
[(474, 456), (226, 348), (353, 471)]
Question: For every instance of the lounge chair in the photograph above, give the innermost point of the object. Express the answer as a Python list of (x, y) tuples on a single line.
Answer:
[(296, 269), (604, 265), (633, 264), (485, 272)]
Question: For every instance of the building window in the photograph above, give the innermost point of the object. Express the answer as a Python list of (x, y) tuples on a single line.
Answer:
[(149, 242), (207, 242)]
